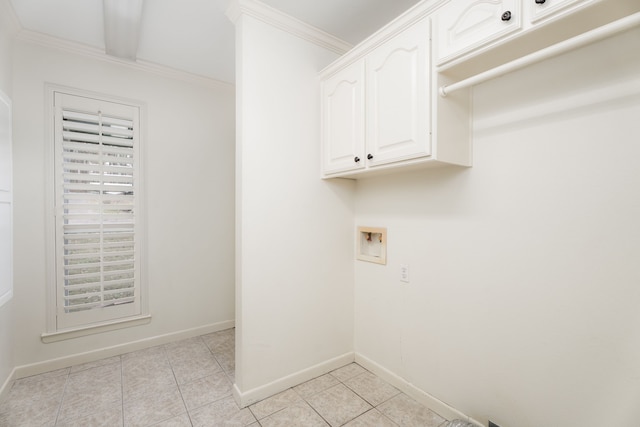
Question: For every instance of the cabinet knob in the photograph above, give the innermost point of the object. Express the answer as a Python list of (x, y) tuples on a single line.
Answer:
[(540, 1), (507, 15), (369, 156), (356, 159)]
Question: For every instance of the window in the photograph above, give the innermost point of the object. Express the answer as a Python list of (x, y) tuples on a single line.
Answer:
[(97, 212)]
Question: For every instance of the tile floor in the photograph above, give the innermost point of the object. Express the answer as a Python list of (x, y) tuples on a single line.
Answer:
[(189, 383)]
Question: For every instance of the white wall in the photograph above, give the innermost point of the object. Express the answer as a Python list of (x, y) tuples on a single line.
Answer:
[(189, 137), (6, 311), (295, 231), (523, 301)]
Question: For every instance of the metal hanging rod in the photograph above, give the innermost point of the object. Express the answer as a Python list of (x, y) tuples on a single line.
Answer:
[(599, 33)]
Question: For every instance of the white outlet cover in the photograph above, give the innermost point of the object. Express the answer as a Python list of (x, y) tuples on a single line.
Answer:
[(404, 273)]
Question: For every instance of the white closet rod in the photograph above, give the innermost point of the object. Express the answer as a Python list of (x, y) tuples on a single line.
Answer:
[(599, 33)]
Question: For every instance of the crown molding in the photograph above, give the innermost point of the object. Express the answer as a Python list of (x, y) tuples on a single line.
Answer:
[(138, 65), (8, 17), (282, 21)]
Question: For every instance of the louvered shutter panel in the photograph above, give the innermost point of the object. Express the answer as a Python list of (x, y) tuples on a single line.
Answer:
[(98, 263)]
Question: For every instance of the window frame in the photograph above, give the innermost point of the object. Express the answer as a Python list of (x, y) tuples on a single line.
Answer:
[(53, 331)]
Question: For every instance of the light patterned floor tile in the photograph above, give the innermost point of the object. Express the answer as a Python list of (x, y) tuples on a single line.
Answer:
[(95, 364), (275, 403), (179, 421), (145, 365), (152, 409), (221, 342), (373, 418), (45, 376), (206, 390), (338, 405), (45, 389), (224, 412), (192, 348), (316, 385), (231, 375), (136, 387), (227, 360), (90, 391), (92, 380), (300, 414), (406, 412), (111, 416), (349, 371), (371, 388), (185, 345), (148, 354), (29, 413), (190, 369), (81, 405)]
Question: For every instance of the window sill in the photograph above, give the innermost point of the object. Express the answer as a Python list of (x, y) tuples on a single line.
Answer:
[(95, 329)]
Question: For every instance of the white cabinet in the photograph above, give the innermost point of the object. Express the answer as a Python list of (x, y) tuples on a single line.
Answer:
[(466, 28), (343, 120), (375, 110), (540, 10), (463, 25), (378, 108), (397, 113)]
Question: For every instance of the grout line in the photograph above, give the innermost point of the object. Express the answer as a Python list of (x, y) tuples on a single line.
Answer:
[(164, 350), (64, 391), (311, 406)]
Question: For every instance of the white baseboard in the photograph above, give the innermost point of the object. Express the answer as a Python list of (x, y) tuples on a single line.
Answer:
[(249, 397), (116, 350), (409, 389)]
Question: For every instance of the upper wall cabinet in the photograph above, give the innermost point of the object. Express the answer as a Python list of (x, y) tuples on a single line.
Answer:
[(377, 109), (465, 25), (397, 112), (540, 10), (343, 120), (466, 28)]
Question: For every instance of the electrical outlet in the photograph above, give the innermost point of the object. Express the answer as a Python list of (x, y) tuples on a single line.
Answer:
[(404, 273)]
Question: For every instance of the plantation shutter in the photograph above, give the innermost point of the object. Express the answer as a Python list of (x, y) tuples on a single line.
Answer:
[(96, 195)]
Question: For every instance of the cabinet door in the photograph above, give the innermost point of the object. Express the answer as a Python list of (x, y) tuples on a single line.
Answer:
[(543, 9), (343, 120), (398, 113), (462, 26)]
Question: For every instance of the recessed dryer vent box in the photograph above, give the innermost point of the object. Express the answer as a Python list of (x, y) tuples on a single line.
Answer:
[(372, 244)]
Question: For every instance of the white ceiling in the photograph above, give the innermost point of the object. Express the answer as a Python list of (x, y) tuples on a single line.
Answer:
[(195, 35)]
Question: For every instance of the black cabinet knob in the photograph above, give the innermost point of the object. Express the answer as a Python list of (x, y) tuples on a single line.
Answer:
[(506, 16), (540, 1), (369, 156), (356, 159)]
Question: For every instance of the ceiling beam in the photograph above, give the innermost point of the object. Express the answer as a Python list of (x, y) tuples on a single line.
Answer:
[(122, 27)]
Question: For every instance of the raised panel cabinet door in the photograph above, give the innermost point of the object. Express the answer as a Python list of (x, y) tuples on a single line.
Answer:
[(542, 9), (462, 26), (398, 114), (343, 120)]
